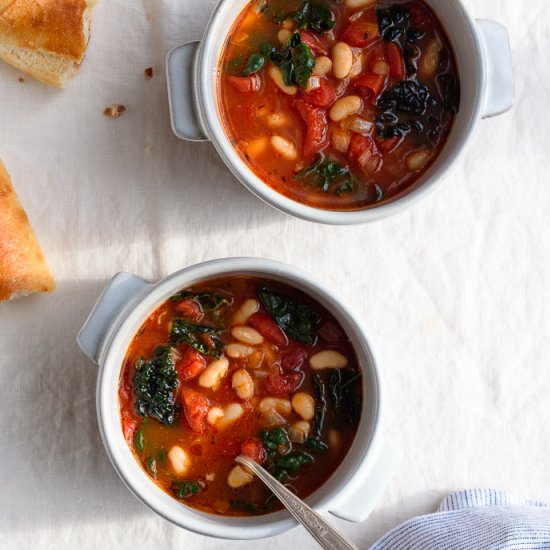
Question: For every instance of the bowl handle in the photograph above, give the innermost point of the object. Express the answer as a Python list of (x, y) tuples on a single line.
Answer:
[(499, 96), (121, 291), (366, 492), (181, 71)]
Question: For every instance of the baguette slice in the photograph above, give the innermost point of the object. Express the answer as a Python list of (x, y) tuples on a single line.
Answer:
[(45, 38), (23, 269)]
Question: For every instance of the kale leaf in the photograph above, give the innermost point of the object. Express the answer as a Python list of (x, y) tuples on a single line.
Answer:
[(154, 383), (295, 318), (324, 172), (209, 301), (316, 17), (203, 338), (256, 62), (393, 22), (186, 489), (295, 60)]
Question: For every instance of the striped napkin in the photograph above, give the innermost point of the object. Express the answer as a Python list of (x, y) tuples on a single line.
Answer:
[(475, 520)]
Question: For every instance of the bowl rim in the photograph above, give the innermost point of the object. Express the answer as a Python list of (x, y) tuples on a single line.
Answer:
[(210, 115), (131, 473)]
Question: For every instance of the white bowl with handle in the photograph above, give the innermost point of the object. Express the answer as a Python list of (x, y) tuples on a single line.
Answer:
[(484, 64), (350, 493)]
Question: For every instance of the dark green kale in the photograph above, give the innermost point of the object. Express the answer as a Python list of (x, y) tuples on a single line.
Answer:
[(154, 383), (342, 395), (324, 172), (248, 507), (203, 338), (393, 22), (314, 16), (316, 444), (186, 489), (292, 463), (295, 60), (319, 391), (209, 301), (256, 62), (450, 90), (297, 319)]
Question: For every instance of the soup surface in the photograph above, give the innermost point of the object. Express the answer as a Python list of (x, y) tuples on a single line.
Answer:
[(339, 105), (236, 366)]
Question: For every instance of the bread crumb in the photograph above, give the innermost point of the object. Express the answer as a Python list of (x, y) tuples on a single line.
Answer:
[(21, 79), (149, 73), (114, 110)]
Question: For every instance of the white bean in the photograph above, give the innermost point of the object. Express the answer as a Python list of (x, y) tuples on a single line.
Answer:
[(243, 384), (214, 414), (231, 414), (381, 68), (271, 419), (247, 309), (277, 76), (299, 431), (323, 65), (277, 120), (213, 373), (178, 460), (345, 106), (353, 4), (334, 439), (282, 406), (342, 60), (430, 59), (328, 359), (304, 405), (288, 24), (283, 35), (247, 335), (238, 477), (238, 351), (418, 159), (284, 147)]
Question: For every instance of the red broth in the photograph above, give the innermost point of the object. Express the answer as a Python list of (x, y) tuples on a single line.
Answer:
[(232, 366), (370, 97)]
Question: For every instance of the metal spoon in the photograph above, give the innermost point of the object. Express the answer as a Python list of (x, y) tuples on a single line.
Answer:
[(324, 533)]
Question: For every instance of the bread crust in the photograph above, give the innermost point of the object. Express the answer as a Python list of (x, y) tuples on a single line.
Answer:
[(54, 26), (23, 268)]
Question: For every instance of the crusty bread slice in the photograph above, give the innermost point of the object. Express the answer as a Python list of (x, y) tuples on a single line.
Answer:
[(45, 38), (23, 269)]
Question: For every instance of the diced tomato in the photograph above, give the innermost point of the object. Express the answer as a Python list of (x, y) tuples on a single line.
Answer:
[(390, 144), (129, 426), (369, 86), (246, 84), (364, 152), (330, 333), (254, 449), (360, 33), (280, 385), (293, 358), (377, 52), (268, 328), (228, 447), (190, 365), (189, 308), (323, 96), (395, 59), (195, 407), (314, 43), (316, 120)]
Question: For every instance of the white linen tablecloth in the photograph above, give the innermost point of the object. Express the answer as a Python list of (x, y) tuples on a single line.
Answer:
[(455, 292)]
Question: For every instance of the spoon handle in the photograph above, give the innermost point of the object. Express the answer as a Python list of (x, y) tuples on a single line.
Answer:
[(324, 533)]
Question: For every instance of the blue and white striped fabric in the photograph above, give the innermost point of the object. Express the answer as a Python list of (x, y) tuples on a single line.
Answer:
[(475, 520)]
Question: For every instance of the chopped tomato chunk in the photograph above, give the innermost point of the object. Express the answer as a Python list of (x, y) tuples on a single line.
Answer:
[(195, 407), (323, 96), (314, 43), (293, 358), (189, 308), (363, 151), (395, 58), (246, 84), (268, 328), (190, 365), (390, 144), (316, 120), (369, 86), (330, 332), (360, 33), (280, 385), (129, 426), (254, 449)]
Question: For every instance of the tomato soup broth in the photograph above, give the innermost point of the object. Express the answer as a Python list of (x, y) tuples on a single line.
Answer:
[(338, 105), (239, 366)]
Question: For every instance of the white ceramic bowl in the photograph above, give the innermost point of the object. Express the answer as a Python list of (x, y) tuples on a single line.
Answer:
[(127, 302), (484, 65)]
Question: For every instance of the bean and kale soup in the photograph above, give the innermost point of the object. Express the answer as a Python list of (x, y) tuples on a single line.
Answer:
[(234, 366), (338, 105)]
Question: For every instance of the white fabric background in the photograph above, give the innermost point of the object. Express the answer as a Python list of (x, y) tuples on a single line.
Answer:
[(455, 292)]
